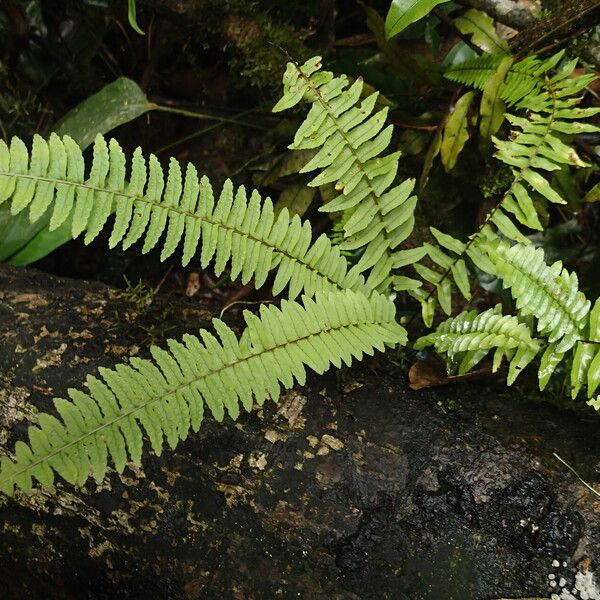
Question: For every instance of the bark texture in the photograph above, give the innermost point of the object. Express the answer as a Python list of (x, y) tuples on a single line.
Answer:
[(504, 11), (352, 487), (569, 19)]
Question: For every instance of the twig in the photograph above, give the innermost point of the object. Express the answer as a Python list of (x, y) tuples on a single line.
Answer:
[(200, 132), (559, 25), (228, 306), (585, 483), (163, 279), (198, 115)]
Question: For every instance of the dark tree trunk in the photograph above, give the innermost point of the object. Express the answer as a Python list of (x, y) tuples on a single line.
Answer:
[(353, 487)]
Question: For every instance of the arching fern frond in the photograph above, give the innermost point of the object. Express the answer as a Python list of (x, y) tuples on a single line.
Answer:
[(469, 337), (548, 292), (350, 137), (534, 148), (165, 397), (234, 228), (535, 143)]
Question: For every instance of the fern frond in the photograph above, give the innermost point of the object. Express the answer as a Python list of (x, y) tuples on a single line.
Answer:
[(470, 336), (535, 143), (525, 78), (534, 148), (548, 292), (350, 137), (166, 396), (235, 229)]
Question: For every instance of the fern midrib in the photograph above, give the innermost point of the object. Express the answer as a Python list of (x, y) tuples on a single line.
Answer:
[(169, 393), (325, 105), (516, 181), (175, 209)]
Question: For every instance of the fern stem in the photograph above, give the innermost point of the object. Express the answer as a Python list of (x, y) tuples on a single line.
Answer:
[(585, 483), (198, 115)]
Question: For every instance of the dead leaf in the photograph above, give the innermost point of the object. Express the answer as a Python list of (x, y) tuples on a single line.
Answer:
[(431, 373)]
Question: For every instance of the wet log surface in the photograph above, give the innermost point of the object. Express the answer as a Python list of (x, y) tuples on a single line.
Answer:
[(353, 487)]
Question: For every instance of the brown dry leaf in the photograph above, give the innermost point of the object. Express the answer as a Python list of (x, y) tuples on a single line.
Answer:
[(431, 373)]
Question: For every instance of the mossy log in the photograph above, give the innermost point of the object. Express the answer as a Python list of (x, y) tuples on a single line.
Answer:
[(352, 487)]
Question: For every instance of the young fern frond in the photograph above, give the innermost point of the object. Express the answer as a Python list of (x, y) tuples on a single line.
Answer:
[(524, 78), (469, 337), (350, 137), (233, 229), (535, 145), (166, 396), (548, 292)]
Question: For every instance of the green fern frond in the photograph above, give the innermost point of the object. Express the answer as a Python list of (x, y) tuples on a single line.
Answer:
[(166, 396), (234, 229), (470, 336), (534, 148), (535, 143), (350, 137), (525, 78), (549, 293)]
